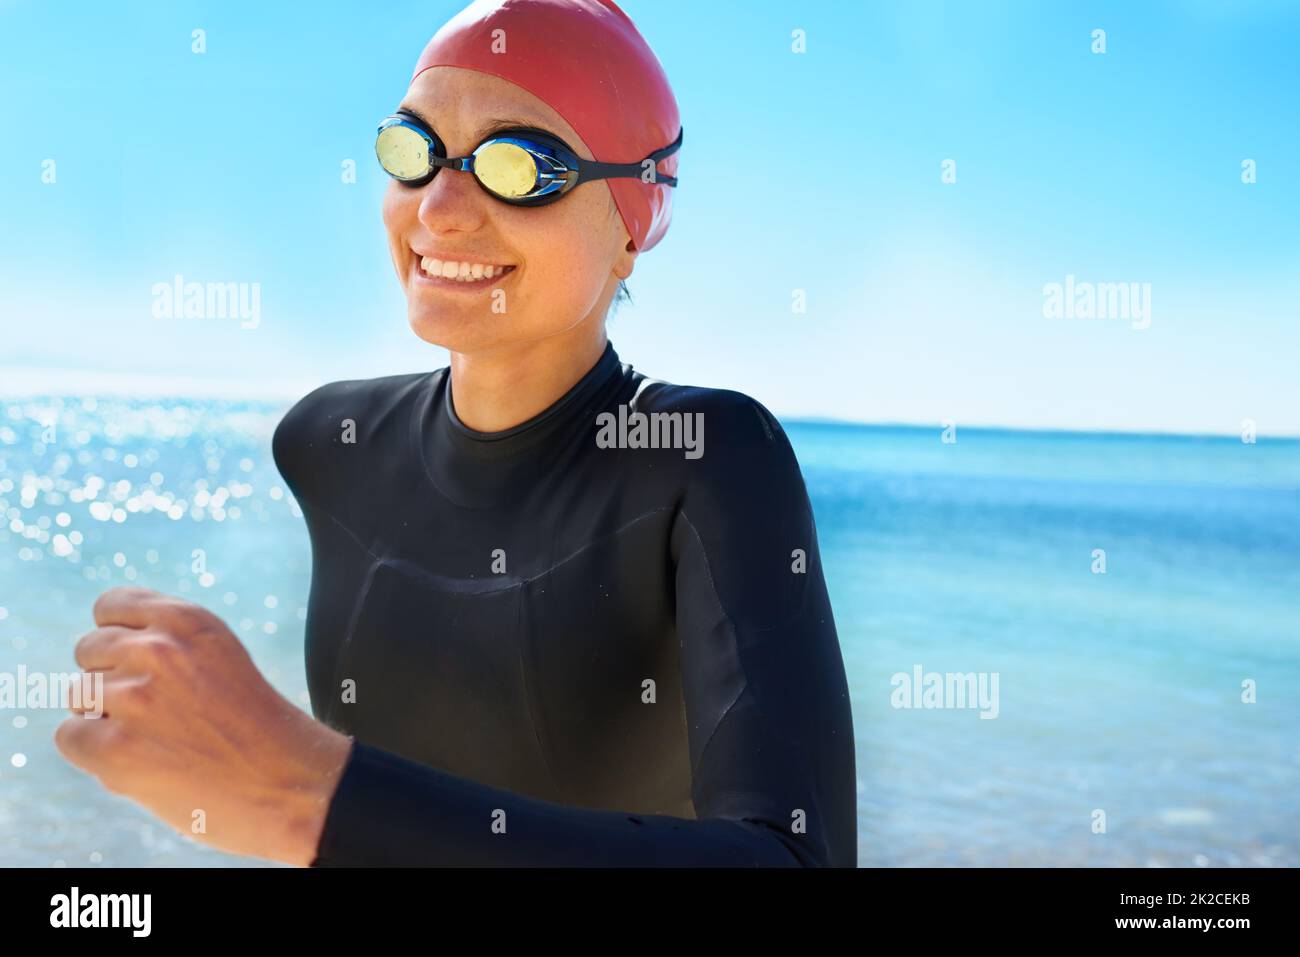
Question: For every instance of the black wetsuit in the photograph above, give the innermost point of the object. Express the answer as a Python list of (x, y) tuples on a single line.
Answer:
[(550, 652)]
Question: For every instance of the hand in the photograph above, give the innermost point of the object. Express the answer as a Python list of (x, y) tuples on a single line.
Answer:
[(191, 730)]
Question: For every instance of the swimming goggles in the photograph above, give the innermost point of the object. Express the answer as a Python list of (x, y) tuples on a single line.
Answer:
[(521, 166)]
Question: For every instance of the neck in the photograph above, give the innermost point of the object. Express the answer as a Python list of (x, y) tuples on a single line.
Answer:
[(496, 390)]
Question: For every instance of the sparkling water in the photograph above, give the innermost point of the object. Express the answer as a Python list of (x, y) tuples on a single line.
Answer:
[(1148, 709)]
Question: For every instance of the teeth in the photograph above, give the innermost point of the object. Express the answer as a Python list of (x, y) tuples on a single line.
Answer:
[(460, 271)]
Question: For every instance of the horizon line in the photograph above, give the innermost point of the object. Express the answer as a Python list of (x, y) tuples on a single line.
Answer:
[(21, 382)]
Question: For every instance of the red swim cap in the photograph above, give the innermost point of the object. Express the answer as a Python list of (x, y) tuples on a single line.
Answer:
[(587, 61)]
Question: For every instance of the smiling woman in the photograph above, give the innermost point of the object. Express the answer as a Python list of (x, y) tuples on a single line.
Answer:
[(546, 641), (547, 647)]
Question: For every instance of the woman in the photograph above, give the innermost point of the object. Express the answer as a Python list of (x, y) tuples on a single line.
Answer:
[(517, 626), (560, 613)]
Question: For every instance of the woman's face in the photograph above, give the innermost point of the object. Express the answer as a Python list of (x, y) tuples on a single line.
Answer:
[(566, 258)]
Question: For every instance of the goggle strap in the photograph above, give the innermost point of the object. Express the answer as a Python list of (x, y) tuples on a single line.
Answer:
[(592, 170), (670, 149)]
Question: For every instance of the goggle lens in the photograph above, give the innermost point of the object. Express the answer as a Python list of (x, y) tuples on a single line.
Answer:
[(506, 168), (403, 152)]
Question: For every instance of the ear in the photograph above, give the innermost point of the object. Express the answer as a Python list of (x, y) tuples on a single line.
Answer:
[(626, 261), (626, 258)]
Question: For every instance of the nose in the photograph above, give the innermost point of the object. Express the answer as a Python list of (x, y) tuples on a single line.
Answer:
[(452, 202)]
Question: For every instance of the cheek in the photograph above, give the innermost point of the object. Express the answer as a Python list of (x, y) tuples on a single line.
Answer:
[(567, 251), (400, 209)]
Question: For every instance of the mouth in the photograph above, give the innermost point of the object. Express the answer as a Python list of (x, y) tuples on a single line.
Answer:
[(465, 275)]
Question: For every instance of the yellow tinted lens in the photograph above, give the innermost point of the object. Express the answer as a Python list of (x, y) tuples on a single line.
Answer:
[(403, 152), (506, 169)]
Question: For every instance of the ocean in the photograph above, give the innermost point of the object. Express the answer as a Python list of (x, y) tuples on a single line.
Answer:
[(1129, 606)]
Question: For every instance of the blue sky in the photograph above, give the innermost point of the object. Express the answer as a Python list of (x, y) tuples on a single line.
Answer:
[(818, 171)]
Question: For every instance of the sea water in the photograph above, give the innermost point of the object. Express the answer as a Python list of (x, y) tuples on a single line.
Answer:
[(1133, 602)]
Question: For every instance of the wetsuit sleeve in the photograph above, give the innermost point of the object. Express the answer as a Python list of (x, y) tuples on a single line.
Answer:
[(766, 700), (769, 720)]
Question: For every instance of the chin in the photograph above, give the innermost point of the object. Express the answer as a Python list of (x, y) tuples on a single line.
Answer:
[(451, 332)]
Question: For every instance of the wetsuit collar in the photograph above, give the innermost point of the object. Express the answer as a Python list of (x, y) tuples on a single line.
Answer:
[(590, 383), (478, 469)]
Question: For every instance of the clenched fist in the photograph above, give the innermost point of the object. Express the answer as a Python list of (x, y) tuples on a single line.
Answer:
[(191, 730)]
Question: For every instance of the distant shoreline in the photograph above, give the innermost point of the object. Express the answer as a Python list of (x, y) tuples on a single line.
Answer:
[(27, 383)]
